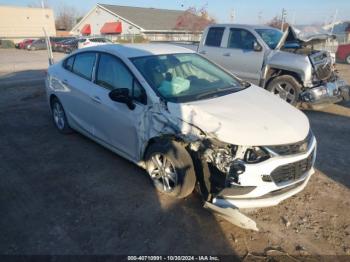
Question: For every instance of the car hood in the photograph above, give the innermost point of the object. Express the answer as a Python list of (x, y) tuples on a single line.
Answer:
[(252, 116), (304, 36)]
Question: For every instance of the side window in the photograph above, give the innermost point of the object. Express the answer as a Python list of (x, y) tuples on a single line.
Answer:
[(83, 64), (214, 36), (68, 64), (112, 74), (241, 39)]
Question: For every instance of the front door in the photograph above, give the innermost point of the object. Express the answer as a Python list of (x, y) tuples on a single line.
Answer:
[(115, 123), (239, 56)]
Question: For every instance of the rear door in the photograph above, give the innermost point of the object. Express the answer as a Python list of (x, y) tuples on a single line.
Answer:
[(115, 123), (211, 45), (77, 95)]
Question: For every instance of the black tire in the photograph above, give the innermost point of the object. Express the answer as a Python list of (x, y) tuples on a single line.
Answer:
[(182, 163), (347, 59), (287, 87), (63, 128)]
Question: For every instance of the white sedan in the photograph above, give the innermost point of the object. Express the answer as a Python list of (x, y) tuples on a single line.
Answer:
[(186, 121), (84, 42)]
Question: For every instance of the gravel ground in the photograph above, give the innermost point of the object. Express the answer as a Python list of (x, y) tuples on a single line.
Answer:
[(68, 195), (15, 60)]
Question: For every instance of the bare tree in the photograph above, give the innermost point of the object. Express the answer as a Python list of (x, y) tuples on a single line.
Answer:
[(66, 17), (194, 19), (277, 23)]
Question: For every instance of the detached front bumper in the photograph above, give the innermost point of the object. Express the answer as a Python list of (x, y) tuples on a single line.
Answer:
[(331, 92), (262, 192)]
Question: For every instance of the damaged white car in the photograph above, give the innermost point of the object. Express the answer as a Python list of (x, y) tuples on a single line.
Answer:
[(187, 121)]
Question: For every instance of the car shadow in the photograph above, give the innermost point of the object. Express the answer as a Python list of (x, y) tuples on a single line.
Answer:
[(68, 195), (333, 143)]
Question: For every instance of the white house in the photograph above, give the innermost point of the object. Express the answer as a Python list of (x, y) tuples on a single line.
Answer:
[(118, 22)]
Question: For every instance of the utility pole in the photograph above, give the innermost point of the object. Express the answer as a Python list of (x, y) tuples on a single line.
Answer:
[(284, 14), (260, 17), (334, 20), (232, 15), (293, 19)]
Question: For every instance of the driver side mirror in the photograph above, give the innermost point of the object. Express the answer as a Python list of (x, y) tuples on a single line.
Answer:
[(257, 47), (121, 95)]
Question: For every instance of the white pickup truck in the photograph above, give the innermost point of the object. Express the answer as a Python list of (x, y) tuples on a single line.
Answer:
[(286, 64)]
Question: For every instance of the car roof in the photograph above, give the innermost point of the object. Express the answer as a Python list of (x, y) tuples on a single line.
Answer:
[(244, 26), (137, 50)]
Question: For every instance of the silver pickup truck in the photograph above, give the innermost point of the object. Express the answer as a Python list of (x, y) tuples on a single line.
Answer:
[(283, 63)]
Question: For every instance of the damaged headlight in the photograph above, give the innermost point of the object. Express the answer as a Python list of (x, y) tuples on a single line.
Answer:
[(231, 159), (223, 155), (255, 155), (220, 154)]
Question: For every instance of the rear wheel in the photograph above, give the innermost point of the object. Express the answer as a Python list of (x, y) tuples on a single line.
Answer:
[(171, 169), (347, 59), (286, 87), (59, 117)]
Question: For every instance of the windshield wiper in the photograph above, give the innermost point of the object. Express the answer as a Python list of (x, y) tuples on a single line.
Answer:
[(212, 92)]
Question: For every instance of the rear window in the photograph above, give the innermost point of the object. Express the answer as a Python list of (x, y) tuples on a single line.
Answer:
[(214, 36), (68, 64), (83, 64)]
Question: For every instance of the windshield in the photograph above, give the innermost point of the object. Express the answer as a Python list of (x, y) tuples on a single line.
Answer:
[(185, 77), (270, 36)]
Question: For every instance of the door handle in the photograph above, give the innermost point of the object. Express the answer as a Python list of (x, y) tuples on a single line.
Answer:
[(227, 54), (96, 99), (203, 52), (65, 82)]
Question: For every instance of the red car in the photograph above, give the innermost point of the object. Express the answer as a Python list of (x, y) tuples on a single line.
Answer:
[(343, 53), (24, 43)]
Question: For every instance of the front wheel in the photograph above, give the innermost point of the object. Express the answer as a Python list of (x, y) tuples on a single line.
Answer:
[(171, 168), (286, 87)]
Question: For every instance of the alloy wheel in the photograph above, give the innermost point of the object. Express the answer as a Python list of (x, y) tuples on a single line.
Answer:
[(347, 59), (285, 91), (163, 173), (58, 116)]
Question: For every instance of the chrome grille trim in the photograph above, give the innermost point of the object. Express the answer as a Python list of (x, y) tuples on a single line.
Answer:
[(292, 149), (292, 171)]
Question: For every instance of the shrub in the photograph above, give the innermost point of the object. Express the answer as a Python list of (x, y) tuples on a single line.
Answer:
[(7, 44), (128, 39)]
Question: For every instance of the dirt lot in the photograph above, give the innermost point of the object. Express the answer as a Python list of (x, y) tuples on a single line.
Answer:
[(68, 195)]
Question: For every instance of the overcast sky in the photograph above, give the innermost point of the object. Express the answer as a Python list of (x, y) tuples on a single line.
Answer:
[(246, 11)]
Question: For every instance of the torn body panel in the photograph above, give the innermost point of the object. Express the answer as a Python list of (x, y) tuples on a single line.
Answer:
[(233, 176)]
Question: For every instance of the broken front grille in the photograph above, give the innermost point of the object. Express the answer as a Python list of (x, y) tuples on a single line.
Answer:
[(292, 171), (291, 149), (324, 71)]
